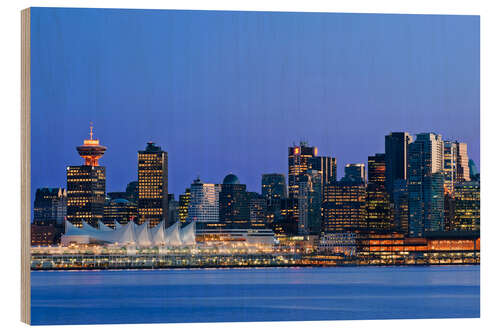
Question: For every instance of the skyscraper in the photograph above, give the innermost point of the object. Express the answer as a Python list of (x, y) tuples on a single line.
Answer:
[(327, 166), (49, 207), (378, 210), (355, 173), (273, 186), (152, 174), (184, 205), (463, 172), (309, 200), (396, 155), (204, 205), (450, 166), (86, 185), (257, 210), (467, 206), (234, 211), (299, 160), (400, 199), (426, 184), (344, 207), (120, 210)]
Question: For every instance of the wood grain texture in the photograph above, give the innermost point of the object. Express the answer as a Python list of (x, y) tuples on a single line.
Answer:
[(25, 166)]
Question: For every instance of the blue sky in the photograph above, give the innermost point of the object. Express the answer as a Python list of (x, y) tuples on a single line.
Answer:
[(230, 91)]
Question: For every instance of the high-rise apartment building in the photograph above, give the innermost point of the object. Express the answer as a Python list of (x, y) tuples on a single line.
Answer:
[(152, 174)]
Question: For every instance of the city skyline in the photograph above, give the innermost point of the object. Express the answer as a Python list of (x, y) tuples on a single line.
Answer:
[(340, 81)]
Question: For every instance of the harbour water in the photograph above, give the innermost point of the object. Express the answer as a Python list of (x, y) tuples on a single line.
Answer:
[(254, 294)]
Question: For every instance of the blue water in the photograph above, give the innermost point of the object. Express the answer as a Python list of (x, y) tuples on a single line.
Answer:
[(256, 294)]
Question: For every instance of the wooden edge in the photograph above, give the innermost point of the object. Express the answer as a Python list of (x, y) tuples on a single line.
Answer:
[(25, 166)]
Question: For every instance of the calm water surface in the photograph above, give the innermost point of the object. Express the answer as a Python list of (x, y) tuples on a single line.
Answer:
[(255, 294)]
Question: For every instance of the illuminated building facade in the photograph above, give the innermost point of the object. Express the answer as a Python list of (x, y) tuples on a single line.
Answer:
[(273, 190), (273, 187), (450, 166), (463, 172), (184, 205), (355, 173), (467, 206), (120, 210), (234, 211), (49, 207), (309, 201), (152, 173), (400, 199), (378, 209), (86, 185), (327, 166), (286, 222), (344, 207), (257, 209), (426, 185), (299, 161), (396, 156), (204, 205)]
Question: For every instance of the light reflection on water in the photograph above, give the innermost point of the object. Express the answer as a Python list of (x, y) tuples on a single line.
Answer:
[(263, 294)]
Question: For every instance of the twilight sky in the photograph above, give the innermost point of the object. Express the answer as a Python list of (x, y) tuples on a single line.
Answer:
[(230, 91)]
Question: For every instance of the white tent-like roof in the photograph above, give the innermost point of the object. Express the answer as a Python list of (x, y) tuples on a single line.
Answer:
[(131, 234)]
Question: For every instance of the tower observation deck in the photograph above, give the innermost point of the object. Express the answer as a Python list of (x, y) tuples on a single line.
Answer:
[(91, 151)]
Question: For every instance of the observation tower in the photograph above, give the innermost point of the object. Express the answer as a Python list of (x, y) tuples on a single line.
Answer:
[(91, 151)]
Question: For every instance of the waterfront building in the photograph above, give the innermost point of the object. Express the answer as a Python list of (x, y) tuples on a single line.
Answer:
[(396, 155), (299, 161), (45, 235), (86, 185), (309, 202), (234, 212), (49, 207), (467, 206), (120, 210), (184, 206), (327, 166), (152, 173), (257, 211), (378, 208), (204, 205), (344, 207), (426, 184), (400, 200), (355, 173)]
